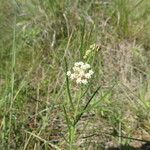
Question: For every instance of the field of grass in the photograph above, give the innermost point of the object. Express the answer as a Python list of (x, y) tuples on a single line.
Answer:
[(40, 107)]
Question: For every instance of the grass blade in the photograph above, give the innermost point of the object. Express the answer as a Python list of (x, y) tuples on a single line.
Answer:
[(85, 107), (67, 83)]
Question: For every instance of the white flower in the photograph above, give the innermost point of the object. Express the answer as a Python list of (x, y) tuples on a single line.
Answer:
[(79, 80), (80, 63), (80, 73), (88, 75), (91, 72), (72, 76), (87, 66), (84, 81), (76, 64), (68, 73), (76, 68)]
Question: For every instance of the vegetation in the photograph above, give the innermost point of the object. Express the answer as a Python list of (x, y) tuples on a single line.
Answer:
[(40, 107)]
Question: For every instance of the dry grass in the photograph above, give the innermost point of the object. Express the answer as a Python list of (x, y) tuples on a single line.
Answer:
[(32, 72)]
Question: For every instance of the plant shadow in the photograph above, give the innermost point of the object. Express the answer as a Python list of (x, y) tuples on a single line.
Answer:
[(145, 146)]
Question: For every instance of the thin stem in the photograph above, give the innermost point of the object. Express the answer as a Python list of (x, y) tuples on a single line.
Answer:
[(67, 83), (12, 75), (78, 102)]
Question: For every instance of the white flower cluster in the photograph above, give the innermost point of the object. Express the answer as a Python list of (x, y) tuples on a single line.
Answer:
[(81, 73)]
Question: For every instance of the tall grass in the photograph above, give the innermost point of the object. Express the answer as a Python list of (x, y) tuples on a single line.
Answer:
[(39, 107)]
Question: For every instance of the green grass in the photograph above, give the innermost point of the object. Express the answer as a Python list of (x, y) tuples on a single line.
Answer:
[(39, 107)]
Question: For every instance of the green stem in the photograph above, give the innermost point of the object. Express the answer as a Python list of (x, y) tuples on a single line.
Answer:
[(72, 137), (68, 87), (78, 103), (12, 77)]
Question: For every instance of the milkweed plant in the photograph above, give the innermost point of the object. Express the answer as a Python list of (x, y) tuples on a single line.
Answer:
[(79, 77)]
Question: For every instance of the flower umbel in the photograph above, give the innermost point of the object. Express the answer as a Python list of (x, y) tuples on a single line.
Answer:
[(80, 73)]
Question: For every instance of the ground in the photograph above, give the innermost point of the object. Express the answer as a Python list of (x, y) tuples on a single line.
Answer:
[(41, 40)]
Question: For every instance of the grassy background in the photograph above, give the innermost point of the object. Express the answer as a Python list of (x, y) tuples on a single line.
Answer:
[(36, 36)]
